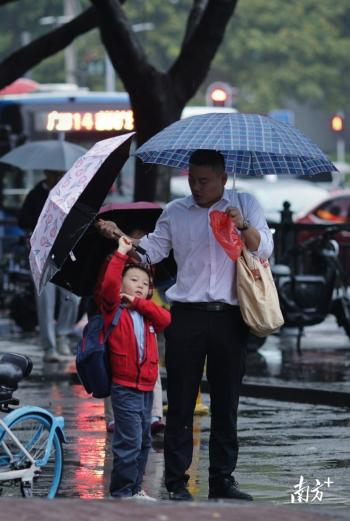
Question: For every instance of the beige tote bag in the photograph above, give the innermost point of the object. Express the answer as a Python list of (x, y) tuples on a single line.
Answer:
[(257, 295)]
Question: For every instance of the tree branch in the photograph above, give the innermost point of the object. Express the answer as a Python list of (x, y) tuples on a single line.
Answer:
[(4, 2), (191, 67), (194, 18), (36, 51), (122, 44)]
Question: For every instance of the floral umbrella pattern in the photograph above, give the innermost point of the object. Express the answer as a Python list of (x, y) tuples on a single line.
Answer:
[(60, 201)]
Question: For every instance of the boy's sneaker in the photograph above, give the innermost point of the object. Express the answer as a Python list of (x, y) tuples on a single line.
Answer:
[(141, 495)]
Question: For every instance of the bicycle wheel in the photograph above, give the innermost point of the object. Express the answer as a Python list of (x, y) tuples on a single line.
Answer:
[(32, 430)]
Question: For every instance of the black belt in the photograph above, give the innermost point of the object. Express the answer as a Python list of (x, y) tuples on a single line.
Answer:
[(204, 306)]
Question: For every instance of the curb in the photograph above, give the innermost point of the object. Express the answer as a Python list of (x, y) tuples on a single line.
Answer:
[(300, 392), (286, 393)]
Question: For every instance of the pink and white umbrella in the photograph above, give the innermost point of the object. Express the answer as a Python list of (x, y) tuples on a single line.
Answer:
[(73, 204)]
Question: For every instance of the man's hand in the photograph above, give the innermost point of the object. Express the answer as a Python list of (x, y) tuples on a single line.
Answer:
[(236, 216), (108, 229), (126, 299)]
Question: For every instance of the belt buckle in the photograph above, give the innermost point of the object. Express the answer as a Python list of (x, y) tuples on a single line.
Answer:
[(215, 306)]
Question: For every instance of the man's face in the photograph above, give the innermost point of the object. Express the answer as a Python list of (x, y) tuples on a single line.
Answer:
[(206, 185)]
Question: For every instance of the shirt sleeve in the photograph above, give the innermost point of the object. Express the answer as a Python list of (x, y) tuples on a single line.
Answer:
[(255, 215), (158, 243)]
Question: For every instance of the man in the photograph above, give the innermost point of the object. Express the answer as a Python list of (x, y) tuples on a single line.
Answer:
[(53, 336), (206, 320)]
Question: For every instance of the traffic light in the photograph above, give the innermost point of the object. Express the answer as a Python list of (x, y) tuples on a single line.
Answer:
[(337, 123), (219, 97), (219, 94)]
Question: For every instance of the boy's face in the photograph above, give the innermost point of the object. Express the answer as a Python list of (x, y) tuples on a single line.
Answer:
[(135, 283)]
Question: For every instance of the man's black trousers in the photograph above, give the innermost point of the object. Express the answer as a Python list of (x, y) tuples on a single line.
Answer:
[(193, 335)]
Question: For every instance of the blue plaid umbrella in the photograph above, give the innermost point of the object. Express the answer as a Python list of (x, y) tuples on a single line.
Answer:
[(251, 145)]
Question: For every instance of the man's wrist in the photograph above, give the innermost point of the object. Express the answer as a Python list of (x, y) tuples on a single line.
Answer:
[(245, 226)]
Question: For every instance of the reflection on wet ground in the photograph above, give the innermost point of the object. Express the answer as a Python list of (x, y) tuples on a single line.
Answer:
[(325, 357), (279, 442)]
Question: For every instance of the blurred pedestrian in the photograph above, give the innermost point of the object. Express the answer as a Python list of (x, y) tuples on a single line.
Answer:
[(206, 320), (54, 335), (134, 365)]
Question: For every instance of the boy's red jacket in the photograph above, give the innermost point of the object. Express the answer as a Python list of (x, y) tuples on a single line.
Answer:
[(124, 353)]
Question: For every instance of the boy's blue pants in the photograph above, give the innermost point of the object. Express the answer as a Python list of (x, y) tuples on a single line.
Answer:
[(131, 439)]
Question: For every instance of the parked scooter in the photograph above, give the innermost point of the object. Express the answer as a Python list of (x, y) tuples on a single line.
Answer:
[(314, 285)]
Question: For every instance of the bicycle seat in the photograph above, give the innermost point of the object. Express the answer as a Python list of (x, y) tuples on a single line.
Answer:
[(14, 367)]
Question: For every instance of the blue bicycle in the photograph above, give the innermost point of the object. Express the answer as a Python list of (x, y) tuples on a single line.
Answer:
[(31, 455)]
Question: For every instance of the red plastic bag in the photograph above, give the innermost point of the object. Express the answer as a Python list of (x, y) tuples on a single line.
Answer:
[(226, 233)]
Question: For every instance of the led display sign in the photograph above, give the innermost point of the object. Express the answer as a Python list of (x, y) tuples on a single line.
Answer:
[(98, 121)]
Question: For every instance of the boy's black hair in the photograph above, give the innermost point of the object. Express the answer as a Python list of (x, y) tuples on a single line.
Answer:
[(142, 267), (206, 157)]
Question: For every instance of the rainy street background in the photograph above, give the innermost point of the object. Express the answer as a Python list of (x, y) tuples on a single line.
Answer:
[(280, 441)]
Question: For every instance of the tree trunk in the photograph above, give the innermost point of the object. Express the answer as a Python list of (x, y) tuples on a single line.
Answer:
[(158, 98)]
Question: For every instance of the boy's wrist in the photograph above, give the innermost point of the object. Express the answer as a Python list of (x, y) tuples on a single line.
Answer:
[(121, 254)]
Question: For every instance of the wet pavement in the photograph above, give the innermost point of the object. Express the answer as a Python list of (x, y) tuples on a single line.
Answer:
[(280, 441)]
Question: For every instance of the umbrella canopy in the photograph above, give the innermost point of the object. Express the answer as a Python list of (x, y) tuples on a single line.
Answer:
[(73, 204), (44, 155), (251, 145), (79, 273)]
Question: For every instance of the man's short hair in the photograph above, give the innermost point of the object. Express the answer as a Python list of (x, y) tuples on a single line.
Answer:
[(206, 157)]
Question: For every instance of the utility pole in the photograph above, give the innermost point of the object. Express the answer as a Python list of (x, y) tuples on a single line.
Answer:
[(70, 10)]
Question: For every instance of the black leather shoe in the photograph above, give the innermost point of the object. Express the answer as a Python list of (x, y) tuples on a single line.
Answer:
[(226, 488), (180, 494)]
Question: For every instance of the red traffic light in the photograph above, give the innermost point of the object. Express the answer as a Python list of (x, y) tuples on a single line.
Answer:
[(337, 123), (219, 94)]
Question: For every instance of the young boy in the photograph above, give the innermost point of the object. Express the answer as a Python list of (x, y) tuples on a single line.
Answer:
[(134, 365)]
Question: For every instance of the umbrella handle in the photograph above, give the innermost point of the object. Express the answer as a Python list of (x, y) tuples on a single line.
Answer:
[(140, 250)]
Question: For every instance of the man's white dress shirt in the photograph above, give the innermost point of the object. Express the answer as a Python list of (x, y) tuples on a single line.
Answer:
[(205, 272)]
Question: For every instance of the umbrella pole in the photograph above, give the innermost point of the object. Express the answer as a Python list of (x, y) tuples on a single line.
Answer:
[(234, 181)]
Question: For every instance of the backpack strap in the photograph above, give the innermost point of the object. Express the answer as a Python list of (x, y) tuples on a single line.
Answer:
[(114, 322)]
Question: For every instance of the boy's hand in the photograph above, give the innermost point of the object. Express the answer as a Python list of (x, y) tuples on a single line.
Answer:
[(125, 245), (126, 299)]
